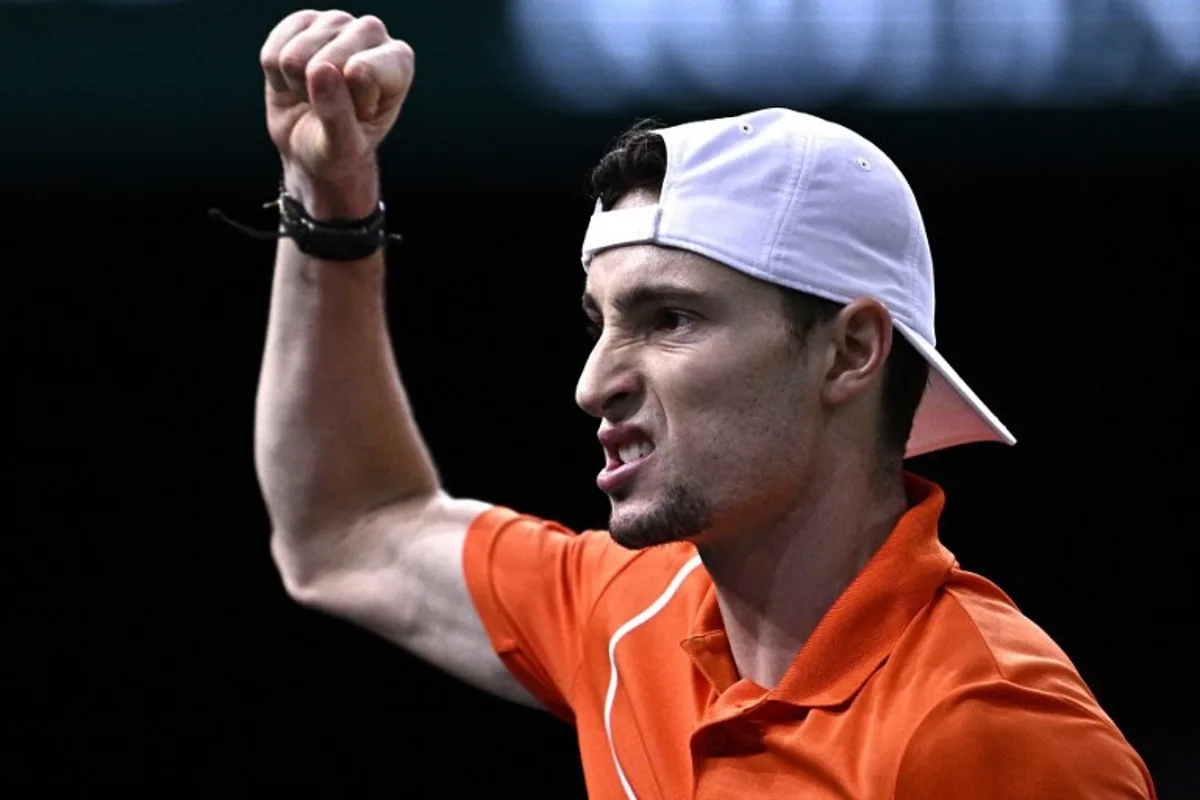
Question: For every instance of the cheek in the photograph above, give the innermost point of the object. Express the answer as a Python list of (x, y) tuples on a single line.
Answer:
[(743, 424)]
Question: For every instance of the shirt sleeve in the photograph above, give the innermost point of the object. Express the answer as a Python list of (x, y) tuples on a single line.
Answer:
[(1005, 741), (534, 584)]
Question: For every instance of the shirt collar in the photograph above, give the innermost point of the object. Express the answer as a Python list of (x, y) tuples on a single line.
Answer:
[(859, 630)]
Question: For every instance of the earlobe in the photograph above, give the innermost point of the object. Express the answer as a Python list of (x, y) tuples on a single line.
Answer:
[(862, 339)]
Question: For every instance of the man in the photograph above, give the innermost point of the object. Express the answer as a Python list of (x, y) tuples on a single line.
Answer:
[(770, 612)]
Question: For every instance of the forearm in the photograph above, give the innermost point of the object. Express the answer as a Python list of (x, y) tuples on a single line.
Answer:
[(334, 435)]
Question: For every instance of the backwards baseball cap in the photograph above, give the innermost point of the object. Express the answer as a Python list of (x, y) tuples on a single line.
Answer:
[(808, 204)]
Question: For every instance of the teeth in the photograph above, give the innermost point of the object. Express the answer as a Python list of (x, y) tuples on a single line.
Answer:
[(634, 451)]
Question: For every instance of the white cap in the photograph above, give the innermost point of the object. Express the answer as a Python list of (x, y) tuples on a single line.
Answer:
[(804, 203)]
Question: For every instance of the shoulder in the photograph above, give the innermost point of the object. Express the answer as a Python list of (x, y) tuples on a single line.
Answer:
[(981, 635), (1006, 713), (501, 538), (1000, 739)]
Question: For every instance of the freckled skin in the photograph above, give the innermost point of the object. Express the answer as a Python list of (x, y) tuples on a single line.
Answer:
[(717, 381)]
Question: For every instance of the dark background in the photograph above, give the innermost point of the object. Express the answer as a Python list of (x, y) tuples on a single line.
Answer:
[(154, 644)]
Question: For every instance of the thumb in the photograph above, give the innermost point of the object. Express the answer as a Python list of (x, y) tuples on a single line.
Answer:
[(332, 103)]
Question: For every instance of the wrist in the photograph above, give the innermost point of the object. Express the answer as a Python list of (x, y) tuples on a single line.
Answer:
[(352, 195)]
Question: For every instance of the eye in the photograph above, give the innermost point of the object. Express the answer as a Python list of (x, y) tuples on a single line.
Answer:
[(668, 319)]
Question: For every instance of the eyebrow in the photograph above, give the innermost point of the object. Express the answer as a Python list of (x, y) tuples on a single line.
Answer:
[(630, 300)]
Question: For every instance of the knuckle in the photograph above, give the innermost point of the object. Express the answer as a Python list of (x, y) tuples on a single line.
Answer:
[(334, 18), (359, 71), (294, 24), (372, 26), (403, 53), (303, 16), (293, 60)]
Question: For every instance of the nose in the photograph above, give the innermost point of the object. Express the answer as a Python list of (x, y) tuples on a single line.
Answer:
[(608, 386)]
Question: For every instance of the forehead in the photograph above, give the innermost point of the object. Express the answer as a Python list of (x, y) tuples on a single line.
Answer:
[(624, 268), (614, 276), (627, 268)]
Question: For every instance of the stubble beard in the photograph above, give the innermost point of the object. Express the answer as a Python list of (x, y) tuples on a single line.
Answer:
[(680, 515)]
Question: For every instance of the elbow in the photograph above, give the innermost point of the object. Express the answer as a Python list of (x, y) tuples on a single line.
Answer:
[(297, 571)]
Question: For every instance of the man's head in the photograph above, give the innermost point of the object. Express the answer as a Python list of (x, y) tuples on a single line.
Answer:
[(722, 391)]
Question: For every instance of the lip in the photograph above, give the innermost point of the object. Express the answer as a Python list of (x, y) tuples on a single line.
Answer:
[(613, 477), (615, 473)]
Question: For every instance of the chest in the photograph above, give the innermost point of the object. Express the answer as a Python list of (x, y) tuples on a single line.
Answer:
[(651, 725)]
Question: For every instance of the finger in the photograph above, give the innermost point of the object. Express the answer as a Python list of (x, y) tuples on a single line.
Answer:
[(354, 37), (331, 102), (280, 35), (361, 34), (380, 78), (298, 52)]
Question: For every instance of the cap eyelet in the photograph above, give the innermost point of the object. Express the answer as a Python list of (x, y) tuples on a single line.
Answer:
[(863, 164), (746, 128)]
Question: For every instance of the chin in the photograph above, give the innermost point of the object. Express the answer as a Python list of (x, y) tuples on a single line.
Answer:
[(679, 514)]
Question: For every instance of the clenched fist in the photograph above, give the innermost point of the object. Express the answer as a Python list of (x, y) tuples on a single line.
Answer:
[(334, 87)]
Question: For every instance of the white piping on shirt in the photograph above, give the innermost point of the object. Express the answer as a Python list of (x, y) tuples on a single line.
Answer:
[(644, 616)]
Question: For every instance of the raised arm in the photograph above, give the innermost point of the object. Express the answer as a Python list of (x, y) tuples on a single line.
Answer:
[(361, 526)]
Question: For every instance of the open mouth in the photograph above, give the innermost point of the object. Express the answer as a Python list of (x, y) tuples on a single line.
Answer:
[(626, 449), (632, 451)]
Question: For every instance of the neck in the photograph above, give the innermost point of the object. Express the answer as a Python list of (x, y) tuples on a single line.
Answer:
[(776, 581)]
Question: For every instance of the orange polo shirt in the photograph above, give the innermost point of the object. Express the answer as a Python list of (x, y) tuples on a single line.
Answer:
[(921, 681)]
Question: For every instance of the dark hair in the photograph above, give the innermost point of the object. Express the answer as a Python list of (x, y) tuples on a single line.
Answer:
[(638, 160)]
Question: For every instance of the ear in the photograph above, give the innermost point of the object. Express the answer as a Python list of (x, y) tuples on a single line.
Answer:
[(861, 336)]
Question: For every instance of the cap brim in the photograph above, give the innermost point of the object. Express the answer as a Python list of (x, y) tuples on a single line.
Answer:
[(950, 413)]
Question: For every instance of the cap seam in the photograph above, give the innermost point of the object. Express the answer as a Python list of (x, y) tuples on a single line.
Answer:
[(800, 185), (913, 242), (672, 145)]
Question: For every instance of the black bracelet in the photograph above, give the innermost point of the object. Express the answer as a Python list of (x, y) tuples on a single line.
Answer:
[(330, 240)]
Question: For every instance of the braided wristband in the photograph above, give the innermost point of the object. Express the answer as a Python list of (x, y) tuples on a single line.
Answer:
[(329, 240)]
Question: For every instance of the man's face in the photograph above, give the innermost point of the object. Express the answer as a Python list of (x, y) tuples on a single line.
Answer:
[(702, 396)]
